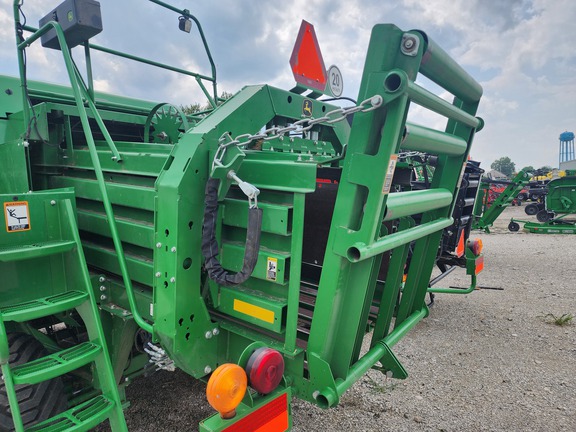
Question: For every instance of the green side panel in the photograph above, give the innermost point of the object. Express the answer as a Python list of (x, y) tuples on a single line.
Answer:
[(13, 175), (232, 256), (126, 195), (251, 306), (276, 218)]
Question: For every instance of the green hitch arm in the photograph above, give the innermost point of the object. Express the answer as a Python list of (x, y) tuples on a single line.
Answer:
[(328, 397), (468, 290), (75, 85)]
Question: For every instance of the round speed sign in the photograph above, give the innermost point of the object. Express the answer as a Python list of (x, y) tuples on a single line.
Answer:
[(335, 81)]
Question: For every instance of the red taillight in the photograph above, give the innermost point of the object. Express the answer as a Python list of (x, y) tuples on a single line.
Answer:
[(265, 368)]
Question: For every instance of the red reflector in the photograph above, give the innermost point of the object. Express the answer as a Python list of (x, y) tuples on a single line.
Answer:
[(271, 417), (460, 247), (479, 265), (306, 59), (265, 368)]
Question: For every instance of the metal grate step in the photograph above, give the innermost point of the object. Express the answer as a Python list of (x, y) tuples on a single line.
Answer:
[(42, 307), (57, 364), (35, 250), (80, 418)]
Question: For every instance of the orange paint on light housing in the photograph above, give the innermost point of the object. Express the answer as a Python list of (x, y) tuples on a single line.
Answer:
[(226, 388)]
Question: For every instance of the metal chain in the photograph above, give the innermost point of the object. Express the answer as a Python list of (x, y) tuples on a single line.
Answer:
[(299, 126)]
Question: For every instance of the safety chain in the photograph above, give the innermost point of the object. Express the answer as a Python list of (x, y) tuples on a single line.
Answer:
[(299, 126)]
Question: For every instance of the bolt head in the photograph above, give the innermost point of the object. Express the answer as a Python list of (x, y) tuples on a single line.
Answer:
[(52, 202), (172, 279), (158, 245), (101, 279), (216, 332), (173, 249), (207, 369), (208, 334), (158, 274), (102, 288), (102, 297)]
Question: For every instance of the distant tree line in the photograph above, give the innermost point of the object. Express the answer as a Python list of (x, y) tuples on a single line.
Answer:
[(508, 168)]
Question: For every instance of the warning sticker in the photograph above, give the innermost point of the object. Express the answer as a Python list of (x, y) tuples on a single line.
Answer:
[(17, 216), (272, 269), (390, 174)]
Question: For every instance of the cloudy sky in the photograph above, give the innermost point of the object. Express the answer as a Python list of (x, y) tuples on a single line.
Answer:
[(523, 52)]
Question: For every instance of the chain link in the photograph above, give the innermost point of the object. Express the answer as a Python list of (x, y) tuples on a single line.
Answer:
[(299, 126)]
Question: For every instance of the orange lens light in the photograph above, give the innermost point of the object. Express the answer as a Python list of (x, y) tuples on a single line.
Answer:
[(265, 368), (476, 246), (226, 389)]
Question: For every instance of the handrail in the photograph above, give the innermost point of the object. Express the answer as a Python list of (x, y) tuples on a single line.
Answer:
[(78, 90), (212, 99)]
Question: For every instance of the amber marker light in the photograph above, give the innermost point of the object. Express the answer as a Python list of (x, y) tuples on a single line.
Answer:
[(226, 388), (476, 246)]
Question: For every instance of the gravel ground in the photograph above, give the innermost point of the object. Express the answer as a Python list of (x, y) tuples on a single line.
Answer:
[(487, 361)]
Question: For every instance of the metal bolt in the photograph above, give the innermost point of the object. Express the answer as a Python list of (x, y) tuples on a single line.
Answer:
[(173, 249), (207, 369), (315, 394), (158, 274), (125, 312), (102, 297), (114, 158), (208, 334), (25, 143), (408, 44), (158, 245), (52, 202), (102, 288), (172, 279), (215, 332), (102, 279)]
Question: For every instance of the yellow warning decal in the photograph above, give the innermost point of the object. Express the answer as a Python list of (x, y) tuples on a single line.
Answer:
[(17, 216), (254, 311)]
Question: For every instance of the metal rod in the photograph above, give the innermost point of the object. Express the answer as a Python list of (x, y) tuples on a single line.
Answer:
[(444, 71), (186, 13), (409, 203), (429, 100), (89, 76), (420, 138), (442, 275), (361, 251), (327, 397)]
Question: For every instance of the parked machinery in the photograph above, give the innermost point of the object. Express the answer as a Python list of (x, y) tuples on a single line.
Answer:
[(556, 216), (252, 246)]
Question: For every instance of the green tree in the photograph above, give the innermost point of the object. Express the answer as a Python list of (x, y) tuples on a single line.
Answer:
[(529, 169), (504, 165), (544, 169), (196, 107)]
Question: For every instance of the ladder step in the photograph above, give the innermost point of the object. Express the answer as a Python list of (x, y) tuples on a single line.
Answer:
[(35, 250), (42, 307), (57, 364), (80, 418)]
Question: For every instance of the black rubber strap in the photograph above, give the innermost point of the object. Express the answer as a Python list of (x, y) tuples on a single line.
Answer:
[(210, 245)]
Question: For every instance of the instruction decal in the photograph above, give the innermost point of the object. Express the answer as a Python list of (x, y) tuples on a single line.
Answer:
[(17, 216), (390, 174), (272, 269)]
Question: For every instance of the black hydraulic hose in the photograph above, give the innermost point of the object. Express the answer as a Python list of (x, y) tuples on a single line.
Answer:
[(210, 244)]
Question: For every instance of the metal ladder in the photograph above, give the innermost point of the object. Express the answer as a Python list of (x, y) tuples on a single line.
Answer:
[(42, 250)]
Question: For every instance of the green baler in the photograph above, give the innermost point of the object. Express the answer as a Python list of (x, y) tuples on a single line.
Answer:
[(252, 245)]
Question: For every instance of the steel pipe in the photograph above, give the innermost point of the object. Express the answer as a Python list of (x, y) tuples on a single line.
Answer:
[(409, 203), (423, 139), (361, 251)]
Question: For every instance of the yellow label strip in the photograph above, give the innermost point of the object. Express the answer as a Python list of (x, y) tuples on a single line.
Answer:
[(254, 311)]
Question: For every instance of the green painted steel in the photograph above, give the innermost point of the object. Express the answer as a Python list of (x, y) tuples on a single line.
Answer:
[(487, 215), (345, 246), (46, 232)]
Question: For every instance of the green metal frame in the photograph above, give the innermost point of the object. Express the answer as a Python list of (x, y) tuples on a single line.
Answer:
[(140, 211), (486, 216)]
